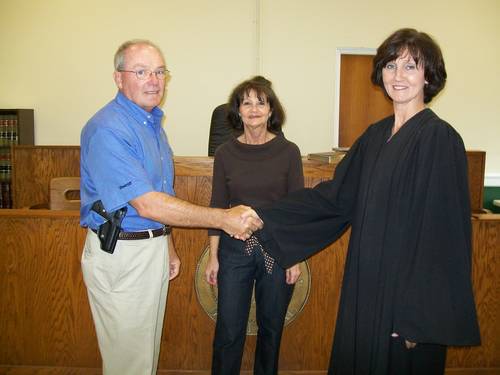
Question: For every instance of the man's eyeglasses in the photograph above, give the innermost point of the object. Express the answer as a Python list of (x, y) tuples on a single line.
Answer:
[(144, 74)]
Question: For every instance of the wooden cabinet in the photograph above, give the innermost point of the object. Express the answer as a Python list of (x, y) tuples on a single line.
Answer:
[(16, 127)]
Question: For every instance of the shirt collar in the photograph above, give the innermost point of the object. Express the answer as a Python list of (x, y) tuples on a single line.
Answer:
[(138, 113)]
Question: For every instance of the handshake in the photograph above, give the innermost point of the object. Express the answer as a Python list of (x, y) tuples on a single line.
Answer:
[(240, 222)]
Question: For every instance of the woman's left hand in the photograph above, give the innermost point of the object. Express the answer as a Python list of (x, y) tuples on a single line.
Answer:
[(292, 274)]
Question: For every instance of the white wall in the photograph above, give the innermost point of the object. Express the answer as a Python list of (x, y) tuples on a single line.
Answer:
[(56, 57)]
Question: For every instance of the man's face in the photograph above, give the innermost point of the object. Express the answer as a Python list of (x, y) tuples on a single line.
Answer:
[(145, 93)]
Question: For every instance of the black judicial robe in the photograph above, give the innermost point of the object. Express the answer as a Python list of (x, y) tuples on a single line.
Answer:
[(408, 267)]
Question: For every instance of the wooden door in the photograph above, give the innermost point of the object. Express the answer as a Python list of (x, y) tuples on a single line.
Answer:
[(361, 103)]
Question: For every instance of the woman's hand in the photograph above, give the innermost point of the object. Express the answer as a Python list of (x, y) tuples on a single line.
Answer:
[(212, 270), (292, 274)]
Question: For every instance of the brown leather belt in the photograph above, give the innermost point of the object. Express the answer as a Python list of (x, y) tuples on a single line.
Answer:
[(144, 234)]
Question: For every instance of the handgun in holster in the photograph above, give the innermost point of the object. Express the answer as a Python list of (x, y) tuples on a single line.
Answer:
[(109, 231)]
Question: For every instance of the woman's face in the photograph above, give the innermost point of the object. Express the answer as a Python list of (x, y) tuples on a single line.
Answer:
[(254, 112), (404, 80)]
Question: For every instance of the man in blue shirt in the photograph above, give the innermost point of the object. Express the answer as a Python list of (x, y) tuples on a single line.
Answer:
[(126, 161)]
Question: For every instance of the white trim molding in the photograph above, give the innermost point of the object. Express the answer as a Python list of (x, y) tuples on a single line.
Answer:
[(492, 179), (336, 111)]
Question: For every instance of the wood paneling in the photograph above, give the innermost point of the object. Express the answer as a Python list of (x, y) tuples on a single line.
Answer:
[(45, 320), (35, 166), (44, 317), (486, 278), (7, 370), (476, 161)]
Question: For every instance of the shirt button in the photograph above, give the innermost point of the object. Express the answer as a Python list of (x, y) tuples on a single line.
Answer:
[(145, 123)]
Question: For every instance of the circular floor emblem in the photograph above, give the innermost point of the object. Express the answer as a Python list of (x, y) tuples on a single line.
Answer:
[(207, 294)]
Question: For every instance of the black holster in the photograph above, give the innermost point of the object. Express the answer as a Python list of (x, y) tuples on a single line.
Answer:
[(109, 231)]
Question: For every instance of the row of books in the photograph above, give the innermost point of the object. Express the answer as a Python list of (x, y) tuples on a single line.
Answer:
[(5, 171), (5, 195), (5, 155), (8, 137), (8, 130)]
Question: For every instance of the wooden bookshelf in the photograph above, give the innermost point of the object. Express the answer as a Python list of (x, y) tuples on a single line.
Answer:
[(16, 127)]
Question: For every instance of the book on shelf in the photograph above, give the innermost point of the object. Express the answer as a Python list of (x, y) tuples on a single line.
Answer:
[(327, 157), (5, 195), (16, 127), (8, 129)]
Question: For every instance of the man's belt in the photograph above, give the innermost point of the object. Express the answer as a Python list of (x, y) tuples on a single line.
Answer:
[(143, 235)]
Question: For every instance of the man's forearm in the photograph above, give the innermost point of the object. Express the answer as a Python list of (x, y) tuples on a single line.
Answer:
[(238, 221), (177, 212)]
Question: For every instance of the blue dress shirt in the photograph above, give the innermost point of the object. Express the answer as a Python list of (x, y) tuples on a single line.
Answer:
[(124, 154)]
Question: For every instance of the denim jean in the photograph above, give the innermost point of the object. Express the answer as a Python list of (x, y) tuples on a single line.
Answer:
[(238, 273)]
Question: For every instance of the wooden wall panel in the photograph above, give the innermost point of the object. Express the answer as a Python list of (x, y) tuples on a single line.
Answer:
[(35, 166), (186, 324), (476, 161), (45, 318), (486, 278)]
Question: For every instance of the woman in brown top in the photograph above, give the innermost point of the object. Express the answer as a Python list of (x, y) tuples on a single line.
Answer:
[(256, 168)]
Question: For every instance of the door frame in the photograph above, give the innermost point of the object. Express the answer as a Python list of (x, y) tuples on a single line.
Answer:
[(336, 105)]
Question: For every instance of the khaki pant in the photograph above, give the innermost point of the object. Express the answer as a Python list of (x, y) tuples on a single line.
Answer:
[(127, 293)]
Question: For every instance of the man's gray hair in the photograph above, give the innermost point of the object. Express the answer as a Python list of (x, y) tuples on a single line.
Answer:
[(120, 52)]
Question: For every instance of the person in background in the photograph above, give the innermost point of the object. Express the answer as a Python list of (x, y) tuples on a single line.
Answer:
[(127, 181), (255, 169), (402, 188)]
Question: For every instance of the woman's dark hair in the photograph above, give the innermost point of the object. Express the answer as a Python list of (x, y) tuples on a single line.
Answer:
[(264, 91), (424, 51)]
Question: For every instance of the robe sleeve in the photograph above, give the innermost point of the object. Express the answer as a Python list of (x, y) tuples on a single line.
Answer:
[(436, 302), (307, 220)]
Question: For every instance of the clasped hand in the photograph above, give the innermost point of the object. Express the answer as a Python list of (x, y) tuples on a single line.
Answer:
[(241, 222)]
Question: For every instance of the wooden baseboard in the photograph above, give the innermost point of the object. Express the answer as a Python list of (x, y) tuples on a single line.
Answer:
[(41, 370)]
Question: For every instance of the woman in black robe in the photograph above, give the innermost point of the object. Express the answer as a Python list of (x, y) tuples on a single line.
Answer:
[(402, 187)]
